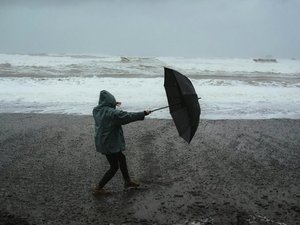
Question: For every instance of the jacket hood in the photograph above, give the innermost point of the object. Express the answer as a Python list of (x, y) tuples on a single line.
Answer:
[(107, 99)]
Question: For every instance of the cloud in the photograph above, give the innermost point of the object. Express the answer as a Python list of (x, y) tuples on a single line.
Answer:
[(236, 28)]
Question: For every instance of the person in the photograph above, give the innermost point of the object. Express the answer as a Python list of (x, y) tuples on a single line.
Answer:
[(109, 138)]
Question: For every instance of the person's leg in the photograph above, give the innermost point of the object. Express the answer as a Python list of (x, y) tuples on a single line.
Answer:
[(123, 165), (124, 170), (114, 166)]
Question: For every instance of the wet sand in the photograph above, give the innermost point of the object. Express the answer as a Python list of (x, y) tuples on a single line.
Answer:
[(234, 172)]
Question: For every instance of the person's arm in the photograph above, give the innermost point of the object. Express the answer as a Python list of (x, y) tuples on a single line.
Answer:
[(120, 117)]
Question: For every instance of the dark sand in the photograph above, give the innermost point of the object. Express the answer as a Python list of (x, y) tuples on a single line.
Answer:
[(234, 172)]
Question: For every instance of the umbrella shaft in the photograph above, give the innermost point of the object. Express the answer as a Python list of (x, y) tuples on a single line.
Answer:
[(167, 106), (162, 108)]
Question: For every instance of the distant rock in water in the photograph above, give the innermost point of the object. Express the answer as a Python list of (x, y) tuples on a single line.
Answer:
[(265, 60), (5, 65), (124, 59)]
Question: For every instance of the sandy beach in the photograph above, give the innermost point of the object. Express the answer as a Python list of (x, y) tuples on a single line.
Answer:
[(233, 172)]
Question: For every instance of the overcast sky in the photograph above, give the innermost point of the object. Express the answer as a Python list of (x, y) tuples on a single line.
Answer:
[(188, 28)]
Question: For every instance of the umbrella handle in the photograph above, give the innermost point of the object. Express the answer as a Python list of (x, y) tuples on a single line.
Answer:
[(166, 107)]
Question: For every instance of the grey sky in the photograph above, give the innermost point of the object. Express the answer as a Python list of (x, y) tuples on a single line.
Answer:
[(189, 28)]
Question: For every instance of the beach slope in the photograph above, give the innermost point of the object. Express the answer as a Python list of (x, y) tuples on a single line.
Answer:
[(233, 172)]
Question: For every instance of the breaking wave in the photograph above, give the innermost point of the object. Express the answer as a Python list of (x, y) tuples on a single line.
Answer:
[(230, 88)]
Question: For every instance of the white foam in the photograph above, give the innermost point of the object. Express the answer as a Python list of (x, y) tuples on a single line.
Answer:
[(78, 95)]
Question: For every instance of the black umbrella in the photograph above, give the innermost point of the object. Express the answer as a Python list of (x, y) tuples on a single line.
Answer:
[(183, 103)]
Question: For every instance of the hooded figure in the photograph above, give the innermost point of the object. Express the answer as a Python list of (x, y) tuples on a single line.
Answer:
[(109, 138)]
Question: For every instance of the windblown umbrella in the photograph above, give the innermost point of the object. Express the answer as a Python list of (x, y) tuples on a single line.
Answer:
[(183, 103)]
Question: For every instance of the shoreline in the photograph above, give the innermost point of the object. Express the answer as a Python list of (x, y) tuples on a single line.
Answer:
[(31, 114), (233, 172)]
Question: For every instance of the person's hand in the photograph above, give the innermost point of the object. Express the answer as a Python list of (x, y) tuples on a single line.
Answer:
[(147, 112), (118, 103)]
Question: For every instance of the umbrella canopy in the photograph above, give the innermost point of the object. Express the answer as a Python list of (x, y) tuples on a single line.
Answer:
[(183, 103)]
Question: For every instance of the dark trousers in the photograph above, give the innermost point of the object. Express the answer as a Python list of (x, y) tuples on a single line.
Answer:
[(115, 160)]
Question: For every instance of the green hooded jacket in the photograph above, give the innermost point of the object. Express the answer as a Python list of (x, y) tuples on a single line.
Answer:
[(109, 136)]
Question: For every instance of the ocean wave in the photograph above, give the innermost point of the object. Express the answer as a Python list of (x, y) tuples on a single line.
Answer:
[(220, 71)]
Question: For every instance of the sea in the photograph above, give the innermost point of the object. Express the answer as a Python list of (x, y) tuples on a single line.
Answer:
[(230, 88)]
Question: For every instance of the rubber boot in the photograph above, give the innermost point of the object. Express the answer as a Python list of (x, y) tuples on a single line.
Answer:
[(131, 184), (100, 191)]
